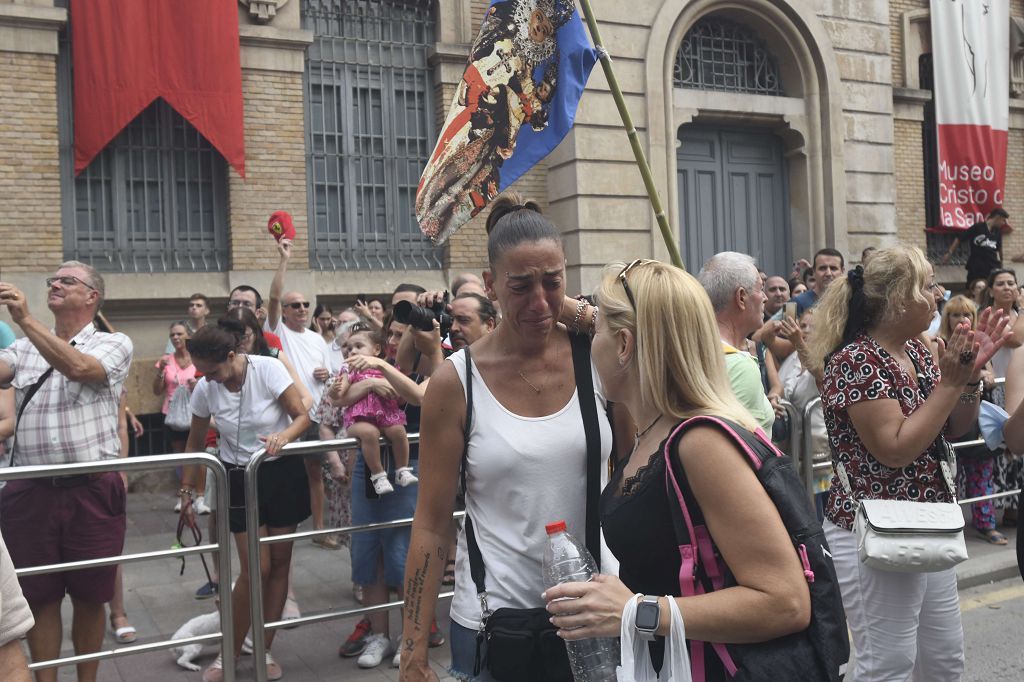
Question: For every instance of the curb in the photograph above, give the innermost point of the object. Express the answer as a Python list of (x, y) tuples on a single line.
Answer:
[(987, 569)]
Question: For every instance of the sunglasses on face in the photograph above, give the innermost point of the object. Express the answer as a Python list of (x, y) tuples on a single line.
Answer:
[(297, 305), (67, 281)]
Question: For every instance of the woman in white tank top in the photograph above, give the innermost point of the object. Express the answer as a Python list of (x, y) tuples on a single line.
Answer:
[(527, 447)]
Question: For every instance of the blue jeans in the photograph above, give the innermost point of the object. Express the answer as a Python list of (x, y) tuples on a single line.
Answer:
[(463, 646)]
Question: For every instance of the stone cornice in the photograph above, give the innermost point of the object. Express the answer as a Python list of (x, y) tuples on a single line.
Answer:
[(268, 36), (32, 16)]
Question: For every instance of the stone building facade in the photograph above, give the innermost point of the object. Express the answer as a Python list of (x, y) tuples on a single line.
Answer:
[(774, 127)]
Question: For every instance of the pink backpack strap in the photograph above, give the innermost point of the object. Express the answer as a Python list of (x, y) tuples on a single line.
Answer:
[(701, 542)]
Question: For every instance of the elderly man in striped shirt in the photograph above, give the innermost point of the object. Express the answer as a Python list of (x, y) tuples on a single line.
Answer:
[(68, 383)]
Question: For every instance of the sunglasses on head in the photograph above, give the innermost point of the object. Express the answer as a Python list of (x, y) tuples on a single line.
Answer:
[(297, 305), (625, 284)]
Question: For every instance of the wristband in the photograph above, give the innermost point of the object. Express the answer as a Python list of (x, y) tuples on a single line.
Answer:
[(581, 305), (186, 491)]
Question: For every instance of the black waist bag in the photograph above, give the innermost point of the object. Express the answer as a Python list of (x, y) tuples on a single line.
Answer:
[(522, 644)]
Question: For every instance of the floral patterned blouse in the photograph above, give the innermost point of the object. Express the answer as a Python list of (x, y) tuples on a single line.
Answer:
[(863, 370)]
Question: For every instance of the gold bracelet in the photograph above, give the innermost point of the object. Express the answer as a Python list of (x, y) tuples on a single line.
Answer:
[(581, 305), (971, 397), (186, 491)]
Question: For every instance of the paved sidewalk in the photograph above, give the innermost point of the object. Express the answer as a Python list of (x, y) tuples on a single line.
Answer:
[(986, 563), (158, 601)]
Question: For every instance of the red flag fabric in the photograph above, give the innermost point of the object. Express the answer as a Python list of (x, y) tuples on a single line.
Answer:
[(126, 53)]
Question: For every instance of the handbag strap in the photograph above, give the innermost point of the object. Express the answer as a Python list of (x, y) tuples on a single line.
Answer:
[(588, 408), (31, 391)]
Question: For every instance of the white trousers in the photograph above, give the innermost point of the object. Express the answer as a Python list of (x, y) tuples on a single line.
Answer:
[(905, 625)]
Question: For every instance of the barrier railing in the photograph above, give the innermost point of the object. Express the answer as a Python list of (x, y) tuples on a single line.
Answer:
[(259, 627), (808, 467), (226, 634)]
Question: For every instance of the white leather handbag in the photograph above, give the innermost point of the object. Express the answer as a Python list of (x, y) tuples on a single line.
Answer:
[(910, 537)]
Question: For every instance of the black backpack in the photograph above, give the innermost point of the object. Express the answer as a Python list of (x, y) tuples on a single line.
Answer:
[(817, 653)]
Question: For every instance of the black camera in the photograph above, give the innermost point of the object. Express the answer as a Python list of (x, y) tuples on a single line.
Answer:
[(423, 318)]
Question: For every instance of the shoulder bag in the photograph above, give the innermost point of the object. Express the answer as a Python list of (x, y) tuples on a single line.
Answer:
[(522, 644)]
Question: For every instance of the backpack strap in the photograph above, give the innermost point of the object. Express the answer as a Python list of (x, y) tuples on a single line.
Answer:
[(696, 548)]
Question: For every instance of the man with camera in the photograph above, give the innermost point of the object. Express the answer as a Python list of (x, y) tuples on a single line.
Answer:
[(467, 318)]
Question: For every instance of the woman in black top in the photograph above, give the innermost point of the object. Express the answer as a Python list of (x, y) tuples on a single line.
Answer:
[(657, 350)]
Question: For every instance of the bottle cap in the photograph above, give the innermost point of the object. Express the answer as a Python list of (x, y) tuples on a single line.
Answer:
[(556, 527)]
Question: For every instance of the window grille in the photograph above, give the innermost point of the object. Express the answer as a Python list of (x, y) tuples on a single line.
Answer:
[(937, 243), (369, 132), (718, 54), (154, 200)]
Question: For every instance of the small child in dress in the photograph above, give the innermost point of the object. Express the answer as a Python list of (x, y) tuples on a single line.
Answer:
[(368, 414)]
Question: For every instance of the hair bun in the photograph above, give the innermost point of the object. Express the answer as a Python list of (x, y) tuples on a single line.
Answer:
[(507, 204)]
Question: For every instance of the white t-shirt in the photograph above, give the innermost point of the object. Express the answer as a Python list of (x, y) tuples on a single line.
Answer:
[(307, 351), (252, 412), (522, 473)]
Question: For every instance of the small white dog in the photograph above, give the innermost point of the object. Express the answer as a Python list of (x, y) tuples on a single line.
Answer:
[(206, 624)]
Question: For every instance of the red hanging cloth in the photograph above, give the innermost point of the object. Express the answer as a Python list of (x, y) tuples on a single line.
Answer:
[(129, 52)]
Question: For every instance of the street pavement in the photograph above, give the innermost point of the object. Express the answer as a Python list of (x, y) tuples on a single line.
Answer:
[(158, 600)]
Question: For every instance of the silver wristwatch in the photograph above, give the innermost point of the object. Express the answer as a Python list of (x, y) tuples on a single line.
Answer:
[(648, 617)]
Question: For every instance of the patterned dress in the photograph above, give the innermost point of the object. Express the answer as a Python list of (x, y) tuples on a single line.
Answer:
[(860, 371)]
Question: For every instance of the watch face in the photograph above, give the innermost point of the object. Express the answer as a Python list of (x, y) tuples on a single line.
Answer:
[(647, 616)]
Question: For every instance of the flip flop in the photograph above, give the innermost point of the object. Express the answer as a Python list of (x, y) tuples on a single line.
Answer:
[(993, 537), (123, 635)]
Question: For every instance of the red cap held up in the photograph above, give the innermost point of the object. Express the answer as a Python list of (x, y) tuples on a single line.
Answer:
[(281, 226), (556, 527)]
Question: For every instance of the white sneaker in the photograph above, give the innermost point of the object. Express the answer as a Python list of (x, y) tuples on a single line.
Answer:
[(381, 485), (177, 506), (200, 506), (377, 647), (396, 662), (405, 477)]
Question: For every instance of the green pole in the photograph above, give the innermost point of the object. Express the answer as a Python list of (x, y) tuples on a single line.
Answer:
[(634, 138)]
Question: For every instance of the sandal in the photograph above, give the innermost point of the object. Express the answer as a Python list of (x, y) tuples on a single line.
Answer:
[(993, 537), (125, 634), (449, 574)]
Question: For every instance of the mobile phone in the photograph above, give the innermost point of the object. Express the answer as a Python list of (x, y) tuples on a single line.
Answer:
[(360, 298), (789, 309)]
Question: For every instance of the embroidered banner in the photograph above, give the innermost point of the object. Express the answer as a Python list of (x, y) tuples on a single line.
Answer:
[(970, 53), (516, 102), (126, 53)]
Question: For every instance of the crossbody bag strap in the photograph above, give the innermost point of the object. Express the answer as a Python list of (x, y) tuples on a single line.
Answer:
[(24, 403), (476, 559), (946, 458), (592, 429)]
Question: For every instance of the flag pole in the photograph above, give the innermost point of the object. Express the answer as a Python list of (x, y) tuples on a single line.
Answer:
[(634, 138)]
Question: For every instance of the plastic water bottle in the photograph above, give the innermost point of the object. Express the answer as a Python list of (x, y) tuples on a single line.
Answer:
[(566, 560)]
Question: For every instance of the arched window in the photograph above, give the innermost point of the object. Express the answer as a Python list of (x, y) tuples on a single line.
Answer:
[(718, 54), (369, 108)]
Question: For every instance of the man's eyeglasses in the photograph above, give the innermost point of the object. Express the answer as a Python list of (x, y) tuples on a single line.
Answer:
[(68, 281), (625, 283), (297, 305)]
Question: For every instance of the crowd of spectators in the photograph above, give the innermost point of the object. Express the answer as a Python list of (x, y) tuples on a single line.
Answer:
[(268, 372)]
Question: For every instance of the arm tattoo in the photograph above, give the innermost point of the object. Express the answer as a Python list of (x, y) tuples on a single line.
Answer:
[(414, 591)]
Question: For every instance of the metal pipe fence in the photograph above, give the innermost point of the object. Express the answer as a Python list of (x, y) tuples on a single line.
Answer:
[(806, 455), (223, 544), (255, 542)]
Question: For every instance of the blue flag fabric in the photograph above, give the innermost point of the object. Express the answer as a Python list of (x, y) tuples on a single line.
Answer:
[(516, 101)]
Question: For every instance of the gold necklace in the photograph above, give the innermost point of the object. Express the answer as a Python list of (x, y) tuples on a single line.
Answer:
[(528, 382)]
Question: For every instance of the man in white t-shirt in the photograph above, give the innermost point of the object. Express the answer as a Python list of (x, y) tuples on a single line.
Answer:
[(288, 317)]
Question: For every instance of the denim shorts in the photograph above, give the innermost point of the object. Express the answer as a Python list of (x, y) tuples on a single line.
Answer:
[(463, 646), (390, 544)]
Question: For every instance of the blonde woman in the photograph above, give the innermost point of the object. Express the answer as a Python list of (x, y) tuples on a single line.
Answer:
[(887, 409), (657, 351)]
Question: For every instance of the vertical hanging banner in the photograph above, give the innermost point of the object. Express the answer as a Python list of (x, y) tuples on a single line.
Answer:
[(515, 103), (971, 57), (126, 53)]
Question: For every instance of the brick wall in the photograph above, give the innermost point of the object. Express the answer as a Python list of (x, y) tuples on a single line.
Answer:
[(909, 167), (275, 169), (30, 172)]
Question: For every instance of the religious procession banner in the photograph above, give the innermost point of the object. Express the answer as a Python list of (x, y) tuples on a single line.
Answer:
[(971, 55), (516, 101)]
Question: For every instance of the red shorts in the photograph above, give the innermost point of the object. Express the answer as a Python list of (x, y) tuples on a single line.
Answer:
[(46, 524)]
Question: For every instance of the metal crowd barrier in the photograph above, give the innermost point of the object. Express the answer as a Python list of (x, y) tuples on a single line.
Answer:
[(808, 467), (259, 627), (226, 634)]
